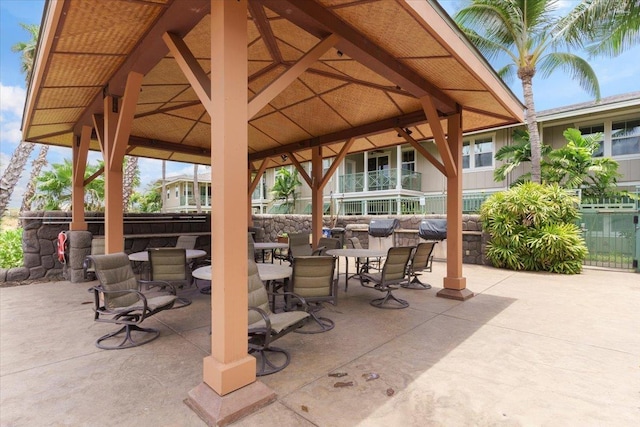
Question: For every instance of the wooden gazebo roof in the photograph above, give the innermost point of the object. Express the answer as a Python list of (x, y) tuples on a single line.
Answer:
[(382, 56)]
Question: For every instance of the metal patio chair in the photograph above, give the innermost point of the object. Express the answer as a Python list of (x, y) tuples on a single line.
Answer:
[(421, 260), (393, 275), (266, 326), (118, 300)]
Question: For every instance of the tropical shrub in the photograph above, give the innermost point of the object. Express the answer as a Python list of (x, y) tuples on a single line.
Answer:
[(532, 227), (11, 248)]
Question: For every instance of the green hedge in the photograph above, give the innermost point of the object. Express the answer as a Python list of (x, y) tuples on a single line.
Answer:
[(532, 228), (11, 248)]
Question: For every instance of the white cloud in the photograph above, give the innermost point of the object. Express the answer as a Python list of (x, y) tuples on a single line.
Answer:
[(12, 99)]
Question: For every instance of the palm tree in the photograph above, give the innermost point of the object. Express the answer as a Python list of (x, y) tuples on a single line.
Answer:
[(573, 166), (285, 186), (514, 155), (54, 188), (529, 34), (130, 179), (608, 26), (21, 154)]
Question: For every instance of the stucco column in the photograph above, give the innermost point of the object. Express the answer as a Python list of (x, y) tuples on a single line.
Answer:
[(229, 367), (454, 283)]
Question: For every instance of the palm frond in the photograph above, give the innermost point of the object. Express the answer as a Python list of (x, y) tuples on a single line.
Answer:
[(578, 68)]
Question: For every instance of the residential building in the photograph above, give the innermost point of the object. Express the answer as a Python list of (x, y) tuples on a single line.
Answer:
[(400, 180)]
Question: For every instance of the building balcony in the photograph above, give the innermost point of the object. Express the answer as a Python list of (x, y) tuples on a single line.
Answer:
[(380, 180)]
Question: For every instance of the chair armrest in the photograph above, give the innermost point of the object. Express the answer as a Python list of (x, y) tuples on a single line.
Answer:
[(104, 310), (149, 283)]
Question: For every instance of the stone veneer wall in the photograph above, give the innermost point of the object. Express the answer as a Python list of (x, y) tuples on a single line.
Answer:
[(473, 239), (41, 229), (157, 230)]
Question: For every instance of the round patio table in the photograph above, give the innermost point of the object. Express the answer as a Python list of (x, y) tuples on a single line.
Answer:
[(143, 256), (269, 273), (269, 246), (354, 253)]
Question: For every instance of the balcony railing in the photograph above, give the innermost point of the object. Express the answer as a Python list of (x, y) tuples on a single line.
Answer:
[(380, 180), (191, 201)]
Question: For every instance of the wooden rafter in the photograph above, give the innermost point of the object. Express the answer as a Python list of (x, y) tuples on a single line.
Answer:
[(438, 135), (317, 20), (303, 173), (272, 90), (262, 23), (336, 162), (254, 184), (420, 149)]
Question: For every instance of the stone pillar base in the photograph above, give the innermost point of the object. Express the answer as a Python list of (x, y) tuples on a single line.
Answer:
[(457, 294), (216, 410)]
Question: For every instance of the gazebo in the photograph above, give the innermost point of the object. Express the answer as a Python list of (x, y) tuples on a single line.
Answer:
[(239, 84)]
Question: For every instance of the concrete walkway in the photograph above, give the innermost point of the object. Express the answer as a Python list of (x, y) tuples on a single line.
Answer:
[(530, 349)]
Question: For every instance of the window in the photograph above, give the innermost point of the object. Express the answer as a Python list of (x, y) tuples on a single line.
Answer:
[(625, 138), (477, 153), (409, 160), (587, 131), (620, 138), (168, 194), (378, 162), (177, 191)]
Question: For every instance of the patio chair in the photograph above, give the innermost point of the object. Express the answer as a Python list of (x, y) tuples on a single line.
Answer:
[(312, 279), (363, 264), (421, 260), (258, 233), (168, 267), (394, 274), (328, 243), (266, 327), (97, 248), (186, 242), (118, 300), (299, 245), (251, 249)]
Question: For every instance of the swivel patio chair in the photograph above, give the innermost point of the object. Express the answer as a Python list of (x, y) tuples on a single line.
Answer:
[(97, 248), (118, 300), (363, 264), (393, 275), (168, 267), (266, 327), (186, 242), (313, 280), (328, 243), (421, 260), (299, 245)]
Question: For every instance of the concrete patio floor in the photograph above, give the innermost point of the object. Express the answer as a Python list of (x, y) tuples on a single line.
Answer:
[(529, 349)]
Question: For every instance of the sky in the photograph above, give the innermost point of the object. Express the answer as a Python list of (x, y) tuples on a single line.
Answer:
[(616, 76)]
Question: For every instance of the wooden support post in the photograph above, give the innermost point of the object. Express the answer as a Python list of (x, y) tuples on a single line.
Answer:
[(229, 367), (317, 204), (455, 285), (79, 161)]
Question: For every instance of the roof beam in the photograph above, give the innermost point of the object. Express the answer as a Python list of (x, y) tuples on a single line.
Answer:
[(168, 146), (267, 94), (336, 162), (439, 136), (303, 173), (419, 148), (179, 18), (354, 132), (197, 77), (317, 20), (262, 23)]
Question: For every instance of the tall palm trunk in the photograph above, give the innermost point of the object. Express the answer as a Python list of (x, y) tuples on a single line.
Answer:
[(129, 177), (12, 173), (36, 168), (532, 126)]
